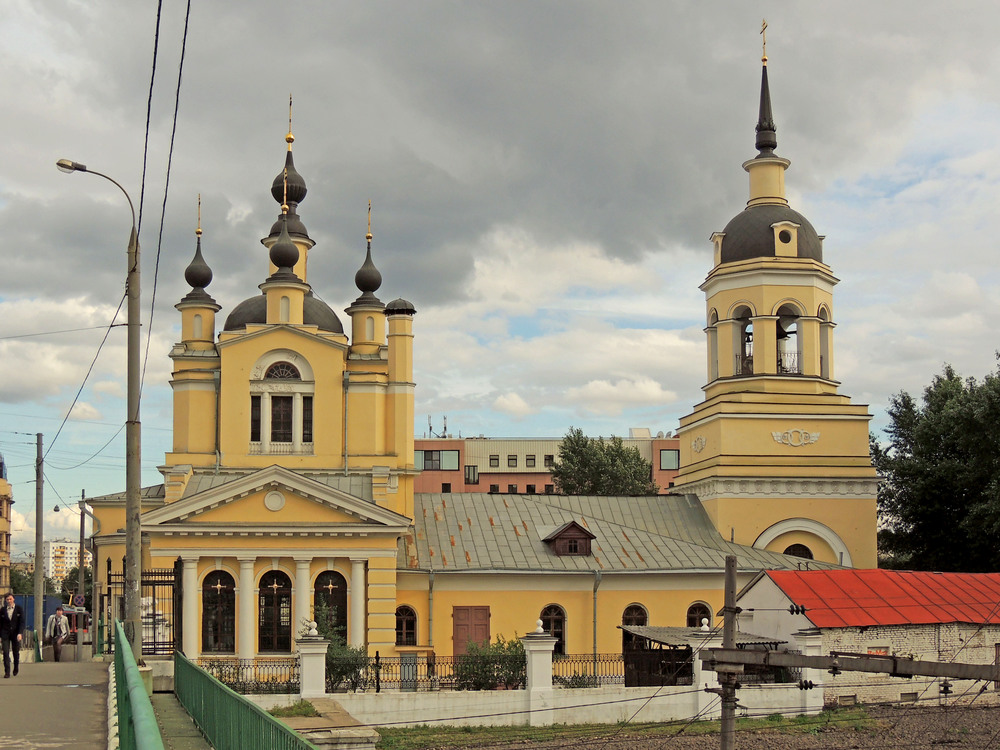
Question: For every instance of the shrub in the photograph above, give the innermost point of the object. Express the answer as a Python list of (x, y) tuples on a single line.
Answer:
[(489, 665), (346, 665)]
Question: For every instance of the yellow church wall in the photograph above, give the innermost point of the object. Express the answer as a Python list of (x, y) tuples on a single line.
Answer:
[(382, 604), (194, 417), (853, 519), (251, 509), (366, 417), (516, 602)]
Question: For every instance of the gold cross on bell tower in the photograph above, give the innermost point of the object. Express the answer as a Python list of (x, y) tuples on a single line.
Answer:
[(763, 34)]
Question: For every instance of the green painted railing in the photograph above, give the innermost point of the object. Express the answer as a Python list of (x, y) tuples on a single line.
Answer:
[(137, 727), (227, 719)]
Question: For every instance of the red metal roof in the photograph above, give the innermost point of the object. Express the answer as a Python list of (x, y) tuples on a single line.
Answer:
[(856, 598)]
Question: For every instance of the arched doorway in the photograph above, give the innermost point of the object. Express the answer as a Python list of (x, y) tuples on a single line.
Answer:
[(274, 632)]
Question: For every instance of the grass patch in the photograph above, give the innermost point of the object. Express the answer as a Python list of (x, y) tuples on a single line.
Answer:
[(445, 737), (301, 708)]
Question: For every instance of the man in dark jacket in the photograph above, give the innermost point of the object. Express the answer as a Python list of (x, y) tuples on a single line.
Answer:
[(11, 632)]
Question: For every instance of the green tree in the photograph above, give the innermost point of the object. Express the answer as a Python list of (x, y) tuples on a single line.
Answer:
[(21, 582), (594, 466), (939, 500), (346, 666)]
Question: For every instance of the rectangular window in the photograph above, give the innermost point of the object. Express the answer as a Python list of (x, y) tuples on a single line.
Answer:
[(512, 462), (549, 489), (550, 461), (307, 419), (669, 459), (418, 460), (449, 460), (446, 487), (472, 475), (432, 460), (529, 461), (281, 419), (439, 460), (255, 419), (512, 488), (530, 489), (494, 462), (494, 488)]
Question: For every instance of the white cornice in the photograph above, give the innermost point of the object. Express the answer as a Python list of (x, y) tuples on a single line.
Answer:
[(714, 488)]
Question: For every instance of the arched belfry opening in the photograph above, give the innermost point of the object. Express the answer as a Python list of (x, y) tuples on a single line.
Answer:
[(743, 341), (825, 344), (789, 346)]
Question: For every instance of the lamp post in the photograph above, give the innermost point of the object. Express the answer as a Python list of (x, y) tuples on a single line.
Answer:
[(133, 499)]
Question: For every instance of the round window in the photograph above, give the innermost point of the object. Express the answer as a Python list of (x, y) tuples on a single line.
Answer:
[(785, 236)]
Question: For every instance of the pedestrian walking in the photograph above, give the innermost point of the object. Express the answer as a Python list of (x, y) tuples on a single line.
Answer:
[(11, 633), (57, 631)]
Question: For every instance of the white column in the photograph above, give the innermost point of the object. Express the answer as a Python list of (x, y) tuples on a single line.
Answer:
[(192, 633), (265, 422), (538, 648), (247, 647), (358, 603), (296, 423), (303, 595)]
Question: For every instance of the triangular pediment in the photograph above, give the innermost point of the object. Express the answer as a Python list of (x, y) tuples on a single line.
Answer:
[(275, 498)]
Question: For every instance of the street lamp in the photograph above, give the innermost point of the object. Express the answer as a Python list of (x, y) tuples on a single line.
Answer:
[(133, 499)]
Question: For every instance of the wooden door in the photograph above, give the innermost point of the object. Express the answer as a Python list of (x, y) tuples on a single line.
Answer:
[(469, 625)]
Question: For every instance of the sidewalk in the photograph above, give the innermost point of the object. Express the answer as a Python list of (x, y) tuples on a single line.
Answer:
[(55, 706)]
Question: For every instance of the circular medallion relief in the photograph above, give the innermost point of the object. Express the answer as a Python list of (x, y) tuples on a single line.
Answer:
[(274, 501)]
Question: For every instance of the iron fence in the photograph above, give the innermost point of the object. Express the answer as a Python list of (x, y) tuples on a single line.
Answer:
[(264, 675), (588, 670), (137, 727), (156, 605)]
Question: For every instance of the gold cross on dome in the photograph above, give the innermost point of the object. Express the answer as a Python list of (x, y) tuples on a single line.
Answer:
[(763, 33)]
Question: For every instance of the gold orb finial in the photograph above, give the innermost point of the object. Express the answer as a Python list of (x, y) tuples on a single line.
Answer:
[(289, 139), (369, 235), (198, 230), (763, 34)]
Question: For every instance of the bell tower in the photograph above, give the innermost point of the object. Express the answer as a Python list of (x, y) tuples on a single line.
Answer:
[(776, 455)]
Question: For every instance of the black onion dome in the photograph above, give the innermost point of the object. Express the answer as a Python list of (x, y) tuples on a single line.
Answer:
[(253, 311), (296, 184), (284, 253), (198, 275), (749, 234), (400, 306), (368, 279)]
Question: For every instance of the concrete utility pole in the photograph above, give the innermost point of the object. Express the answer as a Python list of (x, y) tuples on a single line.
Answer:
[(39, 536), (729, 661)]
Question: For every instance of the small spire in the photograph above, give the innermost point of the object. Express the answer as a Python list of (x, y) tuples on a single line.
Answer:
[(763, 33), (369, 235), (767, 139), (284, 200), (198, 274), (289, 139), (368, 279)]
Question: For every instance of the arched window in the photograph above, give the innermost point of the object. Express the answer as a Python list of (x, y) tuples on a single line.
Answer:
[(554, 623), (799, 550), (696, 613), (713, 346), (369, 328), (281, 411), (284, 309), (218, 613), (634, 614), (197, 327), (406, 626), (275, 612), (330, 600)]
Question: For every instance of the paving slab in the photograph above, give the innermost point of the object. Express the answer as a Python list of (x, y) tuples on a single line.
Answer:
[(54, 705)]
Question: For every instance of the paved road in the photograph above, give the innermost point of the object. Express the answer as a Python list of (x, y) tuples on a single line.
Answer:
[(50, 706)]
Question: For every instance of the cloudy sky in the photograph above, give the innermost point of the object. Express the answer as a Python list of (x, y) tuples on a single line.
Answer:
[(545, 177)]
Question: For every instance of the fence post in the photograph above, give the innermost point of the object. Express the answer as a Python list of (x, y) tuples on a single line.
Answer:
[(538, 648), (312, 661)]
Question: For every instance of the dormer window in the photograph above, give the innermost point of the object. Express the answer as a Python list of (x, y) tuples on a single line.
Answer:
[(570, 539)]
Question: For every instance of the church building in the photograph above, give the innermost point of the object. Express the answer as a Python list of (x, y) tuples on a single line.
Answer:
[(290, 484)]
